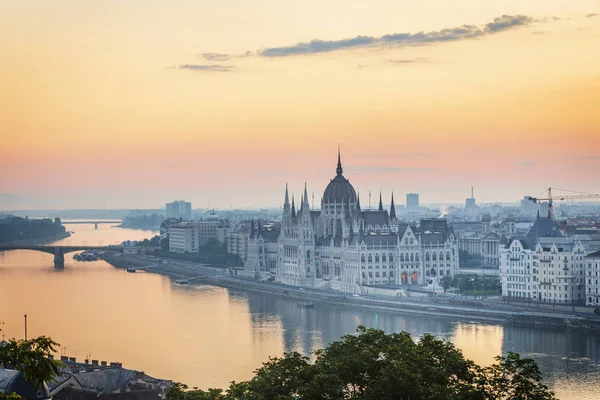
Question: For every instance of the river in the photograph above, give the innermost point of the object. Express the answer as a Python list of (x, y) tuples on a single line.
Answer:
[(207, 336)]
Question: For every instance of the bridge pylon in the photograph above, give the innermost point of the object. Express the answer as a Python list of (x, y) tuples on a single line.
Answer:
[(59, 258)]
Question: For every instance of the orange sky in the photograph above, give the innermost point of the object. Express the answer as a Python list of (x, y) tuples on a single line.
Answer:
[(111, 104)]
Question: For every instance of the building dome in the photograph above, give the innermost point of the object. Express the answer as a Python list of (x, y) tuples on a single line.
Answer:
[(339, 189)]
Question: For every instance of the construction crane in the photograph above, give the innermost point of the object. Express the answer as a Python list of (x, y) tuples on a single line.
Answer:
[(548, 197)]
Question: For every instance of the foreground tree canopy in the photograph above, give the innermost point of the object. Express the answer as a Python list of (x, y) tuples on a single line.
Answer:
[(32, 357), (374, 365)]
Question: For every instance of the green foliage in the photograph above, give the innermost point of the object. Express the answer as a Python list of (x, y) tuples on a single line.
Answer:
[(16, 228), (373, 365), (154, 242), (477, 284), (32, 358), (213, 253), (10, 396), (153, 221), (446, 282), (597, 310)]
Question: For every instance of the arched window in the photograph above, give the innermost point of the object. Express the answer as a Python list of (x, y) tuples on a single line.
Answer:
[(412, 257), (362, 258), (383, 258), (308, 254), (434, 256), (402, 257), (417, 257), (391, 257), (448, 256), (427, 257), (370, 258), (376, 257)]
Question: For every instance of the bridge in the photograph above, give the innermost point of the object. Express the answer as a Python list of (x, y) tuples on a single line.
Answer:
[(58, 251), (95, 223)]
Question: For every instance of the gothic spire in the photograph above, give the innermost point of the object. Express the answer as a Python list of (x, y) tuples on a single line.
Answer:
[(358, 202), (339, 169), (293, 208), (305, 199), (252, 229), (286, 203), (392, 208), (380, 203)]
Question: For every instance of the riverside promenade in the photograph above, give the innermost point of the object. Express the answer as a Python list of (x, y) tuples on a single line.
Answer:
[(455, 308)]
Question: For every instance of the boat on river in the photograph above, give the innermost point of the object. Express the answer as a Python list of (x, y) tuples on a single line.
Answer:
[(306, 305)]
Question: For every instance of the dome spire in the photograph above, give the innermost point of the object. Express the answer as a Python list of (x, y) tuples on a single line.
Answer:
[(286, 202), (339, 169)]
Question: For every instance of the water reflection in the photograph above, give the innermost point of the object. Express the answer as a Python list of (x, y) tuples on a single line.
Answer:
[(207, 336)]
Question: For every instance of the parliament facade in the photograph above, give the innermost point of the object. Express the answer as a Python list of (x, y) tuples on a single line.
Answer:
[(343, 247)]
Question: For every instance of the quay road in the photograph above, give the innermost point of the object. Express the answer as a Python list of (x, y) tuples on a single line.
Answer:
[(491, 311)]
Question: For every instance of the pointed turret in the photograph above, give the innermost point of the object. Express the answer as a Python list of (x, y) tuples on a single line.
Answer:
[(339, 169), (305, 204), (286, 203), (392, 208), (259, 229), (380, 203), (293, 208), (252, 229), (358, 203)]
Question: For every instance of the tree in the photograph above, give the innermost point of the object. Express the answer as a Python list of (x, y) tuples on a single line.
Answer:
[(373, 365), (32, 357), (446, 282)]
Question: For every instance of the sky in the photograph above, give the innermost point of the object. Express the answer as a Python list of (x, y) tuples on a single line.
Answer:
[(130, 104)]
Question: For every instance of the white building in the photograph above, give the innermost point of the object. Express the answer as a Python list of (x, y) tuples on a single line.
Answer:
[(184, 238), (592, 276), (237, 243), (343, 247), (412, 202), (483, 246), (180, 210), (213, 230), (545, 266), (515, 268)]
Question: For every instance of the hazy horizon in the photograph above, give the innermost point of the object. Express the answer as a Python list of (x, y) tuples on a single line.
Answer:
[(117, 105)]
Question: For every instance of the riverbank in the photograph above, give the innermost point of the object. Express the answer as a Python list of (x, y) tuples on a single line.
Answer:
[(438, 306)]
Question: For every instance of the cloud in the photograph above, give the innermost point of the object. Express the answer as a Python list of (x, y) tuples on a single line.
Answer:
[(207, 67), (589, 157), (528, 163), (316, 46), (538, 32), (409, 61), (591, 15), (365, 169), (215, 56)]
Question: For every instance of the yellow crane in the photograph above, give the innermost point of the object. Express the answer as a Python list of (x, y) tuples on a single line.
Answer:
[(548, 197)]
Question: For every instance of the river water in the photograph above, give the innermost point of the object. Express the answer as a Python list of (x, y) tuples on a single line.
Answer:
[(207, 336)]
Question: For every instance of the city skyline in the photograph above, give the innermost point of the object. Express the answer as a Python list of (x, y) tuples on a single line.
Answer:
[(113, 105)]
